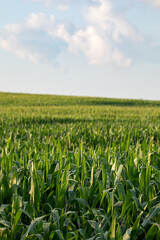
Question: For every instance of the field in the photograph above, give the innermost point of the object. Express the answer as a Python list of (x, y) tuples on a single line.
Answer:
[(79, 168)]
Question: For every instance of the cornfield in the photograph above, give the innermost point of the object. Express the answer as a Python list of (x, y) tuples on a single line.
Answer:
[(79, 168)]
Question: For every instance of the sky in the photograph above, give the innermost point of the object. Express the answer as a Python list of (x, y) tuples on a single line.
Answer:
[(105, 48)]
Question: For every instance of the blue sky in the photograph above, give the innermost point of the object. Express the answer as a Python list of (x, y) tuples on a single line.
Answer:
[(108, 48)]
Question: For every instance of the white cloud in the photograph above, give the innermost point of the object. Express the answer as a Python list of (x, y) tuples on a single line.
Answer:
[(97, 48), (99, 41), (39, 21), (42, 39), (11, 44), (34, 40), (116, 25)]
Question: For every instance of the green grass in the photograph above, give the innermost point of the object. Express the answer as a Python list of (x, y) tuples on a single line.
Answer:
[(79, 168)]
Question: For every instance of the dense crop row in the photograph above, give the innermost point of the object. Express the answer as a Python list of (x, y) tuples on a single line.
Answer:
[(79, 172)]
